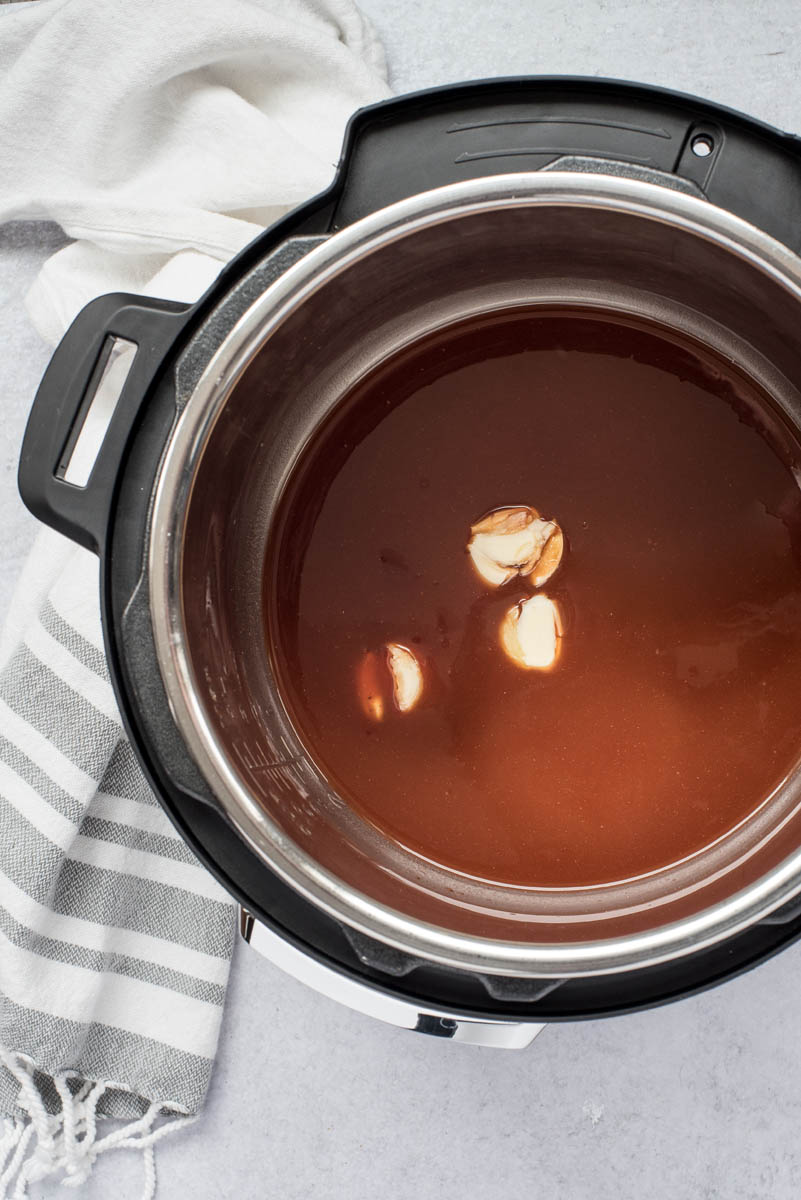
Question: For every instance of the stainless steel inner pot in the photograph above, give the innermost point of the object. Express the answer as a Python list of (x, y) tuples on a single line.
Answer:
[(583, 239)]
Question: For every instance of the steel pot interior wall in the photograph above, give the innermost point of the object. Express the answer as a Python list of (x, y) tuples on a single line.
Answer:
[(467, 260)]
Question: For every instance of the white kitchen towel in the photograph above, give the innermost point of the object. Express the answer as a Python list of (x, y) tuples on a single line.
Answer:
[(162, 135), (150, 128)]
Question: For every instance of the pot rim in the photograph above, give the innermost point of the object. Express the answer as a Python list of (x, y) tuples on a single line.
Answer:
[(173, 489)]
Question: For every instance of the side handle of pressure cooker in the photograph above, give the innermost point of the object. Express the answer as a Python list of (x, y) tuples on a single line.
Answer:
[(383, 1006), (85, 409)]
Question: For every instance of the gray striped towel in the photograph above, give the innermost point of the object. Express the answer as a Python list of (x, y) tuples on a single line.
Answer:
[(115, 942)]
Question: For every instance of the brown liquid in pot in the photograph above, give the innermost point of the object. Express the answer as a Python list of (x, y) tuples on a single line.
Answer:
[(675, 707)]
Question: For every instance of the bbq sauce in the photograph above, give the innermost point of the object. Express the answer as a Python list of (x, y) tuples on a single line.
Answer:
[(675, 707)]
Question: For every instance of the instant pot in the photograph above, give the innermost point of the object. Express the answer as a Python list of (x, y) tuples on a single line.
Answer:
[(446, 204)]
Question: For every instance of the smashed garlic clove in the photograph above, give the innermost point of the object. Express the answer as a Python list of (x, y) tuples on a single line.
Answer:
[(369, 687), (510, 542), (531, 633), (396, 675), (550, 558), (407, 676)]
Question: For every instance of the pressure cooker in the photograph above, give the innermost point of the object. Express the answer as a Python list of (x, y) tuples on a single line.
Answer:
[(162, 435)]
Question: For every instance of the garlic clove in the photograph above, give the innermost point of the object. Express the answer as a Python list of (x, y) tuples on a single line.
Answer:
[(549, 560), (407, 676), (392, 677), (531, 633), (509, 542)]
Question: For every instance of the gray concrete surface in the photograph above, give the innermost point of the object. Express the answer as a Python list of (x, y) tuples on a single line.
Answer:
[(698, 1101)]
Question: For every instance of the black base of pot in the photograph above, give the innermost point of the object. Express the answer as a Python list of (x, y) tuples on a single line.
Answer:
[(392, 151)]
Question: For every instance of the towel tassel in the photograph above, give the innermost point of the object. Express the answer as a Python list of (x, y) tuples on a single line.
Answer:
[(40, 1144)]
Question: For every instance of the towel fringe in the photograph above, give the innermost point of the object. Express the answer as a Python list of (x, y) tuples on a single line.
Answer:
[(41, 1144)]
